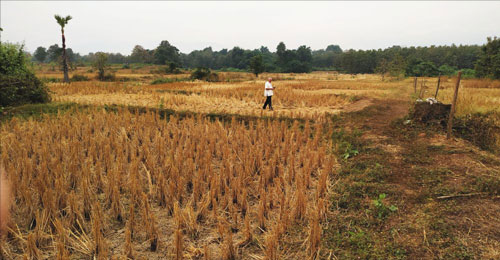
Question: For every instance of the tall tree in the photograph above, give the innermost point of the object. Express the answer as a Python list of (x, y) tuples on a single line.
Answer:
[(166, 53), (334, 48), (140, 55), (40, 54), (256, 65), (100, 64), (62, 21), (488, 64)]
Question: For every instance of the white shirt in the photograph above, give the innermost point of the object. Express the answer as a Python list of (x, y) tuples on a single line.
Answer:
[(268, 93)]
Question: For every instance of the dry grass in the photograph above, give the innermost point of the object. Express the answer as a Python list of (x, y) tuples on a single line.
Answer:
[(474, 96), (296, 95), (100, 184)]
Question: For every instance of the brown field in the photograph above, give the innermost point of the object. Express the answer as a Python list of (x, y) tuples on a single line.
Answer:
[(229, 184), (295, 183), (297, 95)]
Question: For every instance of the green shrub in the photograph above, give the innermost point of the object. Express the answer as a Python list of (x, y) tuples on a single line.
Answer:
[(447, 70), (108, 76), (468, 73), (18, 90), (168, 80), (18, 83), (205, 74), (78, 77)]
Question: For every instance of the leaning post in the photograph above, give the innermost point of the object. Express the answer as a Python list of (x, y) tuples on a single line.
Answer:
[(437, 88), (453, 106)]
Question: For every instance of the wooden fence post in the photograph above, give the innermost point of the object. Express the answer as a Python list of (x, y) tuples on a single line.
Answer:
[(437, 88), (453, 106)]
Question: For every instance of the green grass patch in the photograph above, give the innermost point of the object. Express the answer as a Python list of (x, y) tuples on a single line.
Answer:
[(37, 110)]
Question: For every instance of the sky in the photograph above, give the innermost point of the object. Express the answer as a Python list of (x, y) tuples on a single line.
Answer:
[(117, 26)]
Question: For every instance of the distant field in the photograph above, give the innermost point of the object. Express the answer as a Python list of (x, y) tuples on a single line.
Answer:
[(297, 95)]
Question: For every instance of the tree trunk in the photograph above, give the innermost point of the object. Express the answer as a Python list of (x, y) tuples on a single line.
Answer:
[(65, 61)]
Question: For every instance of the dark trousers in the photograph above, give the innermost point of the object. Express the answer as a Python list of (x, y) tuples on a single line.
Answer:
[(268, 102)]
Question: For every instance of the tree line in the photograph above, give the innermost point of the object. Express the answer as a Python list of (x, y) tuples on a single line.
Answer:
[(395, 61)]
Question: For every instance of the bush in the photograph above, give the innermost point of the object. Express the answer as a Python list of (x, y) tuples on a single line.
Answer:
[(18, 83), (205, 74), (468, 73), (17, 90), (162, 81), (423, 69), (78, 77), (108, 76), (479, 129), (447, 70)]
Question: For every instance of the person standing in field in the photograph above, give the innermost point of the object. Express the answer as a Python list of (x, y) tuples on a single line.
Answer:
[(268, 93)]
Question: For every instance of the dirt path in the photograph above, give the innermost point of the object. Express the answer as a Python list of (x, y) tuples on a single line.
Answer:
[(357, 106), (414, 166)]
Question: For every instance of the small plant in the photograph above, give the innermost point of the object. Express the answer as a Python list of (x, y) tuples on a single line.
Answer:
[(349, 151), (381, 208), (346, 145)]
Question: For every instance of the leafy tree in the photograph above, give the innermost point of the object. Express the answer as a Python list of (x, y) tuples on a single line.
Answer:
[(304, 54), (236, 58), (488, 64), (334, 48), (382, 68), (257, 65), (141, 55), (425, 68), (62, 21), (101, 65), (18, 83), (166, 53), (447, 70), (281, 53), (397, 66), (54, 53), (264, 50), (40, 54)]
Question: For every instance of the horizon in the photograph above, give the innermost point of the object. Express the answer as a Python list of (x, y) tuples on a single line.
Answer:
[(226, 25)]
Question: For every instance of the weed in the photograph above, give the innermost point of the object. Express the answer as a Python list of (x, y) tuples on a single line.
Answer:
[(381, 209)]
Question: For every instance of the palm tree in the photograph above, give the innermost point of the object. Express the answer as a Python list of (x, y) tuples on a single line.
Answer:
[(62, 21)]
